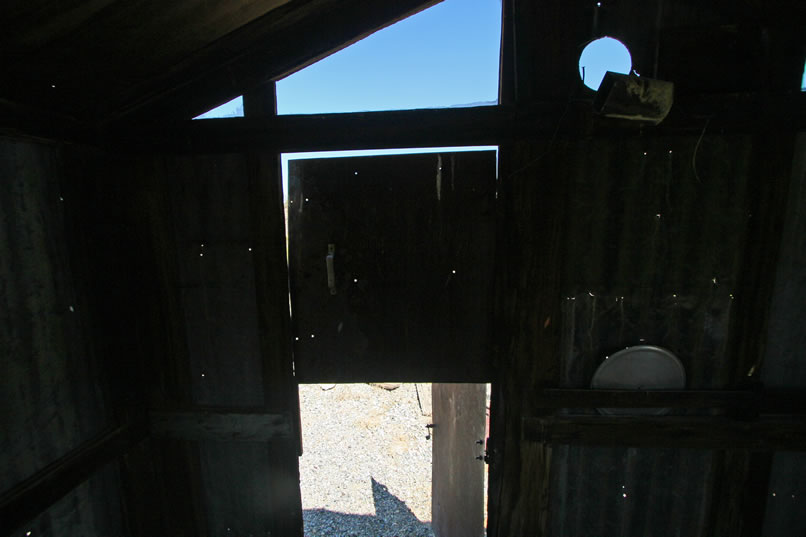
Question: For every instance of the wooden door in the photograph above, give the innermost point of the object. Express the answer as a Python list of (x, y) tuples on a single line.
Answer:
[(391, 267), (457, 475), (220, 371)]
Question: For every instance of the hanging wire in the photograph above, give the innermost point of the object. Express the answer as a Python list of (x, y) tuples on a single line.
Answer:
[(697, 148), (571, 100), (548, 148)]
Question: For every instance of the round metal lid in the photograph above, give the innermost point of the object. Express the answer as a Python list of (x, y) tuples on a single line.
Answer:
[(643, 367)]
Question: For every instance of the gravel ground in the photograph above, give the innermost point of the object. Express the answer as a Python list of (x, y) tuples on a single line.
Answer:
[(366, 466)]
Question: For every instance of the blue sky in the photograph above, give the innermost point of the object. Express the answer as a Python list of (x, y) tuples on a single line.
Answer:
[(444, 56), (602, 55)]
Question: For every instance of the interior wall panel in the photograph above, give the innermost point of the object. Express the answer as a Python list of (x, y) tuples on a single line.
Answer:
[(244, 487), (52, 395), (51, 383)]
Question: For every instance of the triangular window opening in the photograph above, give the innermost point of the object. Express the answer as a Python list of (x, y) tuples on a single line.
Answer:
[(233, 108), (443, 57)]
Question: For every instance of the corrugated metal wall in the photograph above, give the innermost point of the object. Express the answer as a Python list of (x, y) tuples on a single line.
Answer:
[(628, 491), (655, 244), (654, 251), (785, 357)]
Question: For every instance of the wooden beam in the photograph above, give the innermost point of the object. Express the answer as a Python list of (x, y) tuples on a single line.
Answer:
[(766, 434), (367, 130), (284, 40), (232, 425), (527, 346), (267, 223), (769, 402), (584, 398), (486, 125), (261, 101), (271, 268), (34, 495)]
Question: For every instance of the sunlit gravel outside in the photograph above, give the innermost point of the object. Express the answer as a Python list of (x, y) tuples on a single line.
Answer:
[(366, 466)]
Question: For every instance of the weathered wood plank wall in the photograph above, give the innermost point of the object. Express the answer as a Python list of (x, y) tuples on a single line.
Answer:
[(203, 221)]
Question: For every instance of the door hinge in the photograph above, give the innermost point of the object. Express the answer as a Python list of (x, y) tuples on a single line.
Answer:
[(488, 453)]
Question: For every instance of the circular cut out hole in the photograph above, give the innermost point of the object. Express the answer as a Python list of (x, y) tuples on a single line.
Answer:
[(602, 55)]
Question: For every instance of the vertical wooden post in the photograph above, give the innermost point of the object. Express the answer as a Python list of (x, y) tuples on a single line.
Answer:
[(274, 323), (538, 62)]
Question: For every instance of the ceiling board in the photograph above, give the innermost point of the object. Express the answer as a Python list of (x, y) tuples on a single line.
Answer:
[(101, 61), (97, 48)]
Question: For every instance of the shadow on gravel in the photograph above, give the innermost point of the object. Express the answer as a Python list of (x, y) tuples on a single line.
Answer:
[(392, 519)]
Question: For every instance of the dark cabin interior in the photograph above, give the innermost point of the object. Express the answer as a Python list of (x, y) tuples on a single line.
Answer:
[(606, 233)]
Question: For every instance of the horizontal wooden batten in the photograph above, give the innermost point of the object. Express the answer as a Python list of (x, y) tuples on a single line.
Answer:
[(34, 495), (769, 402), (484, 125), (217, 424), (764, 434), (365, 130)]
